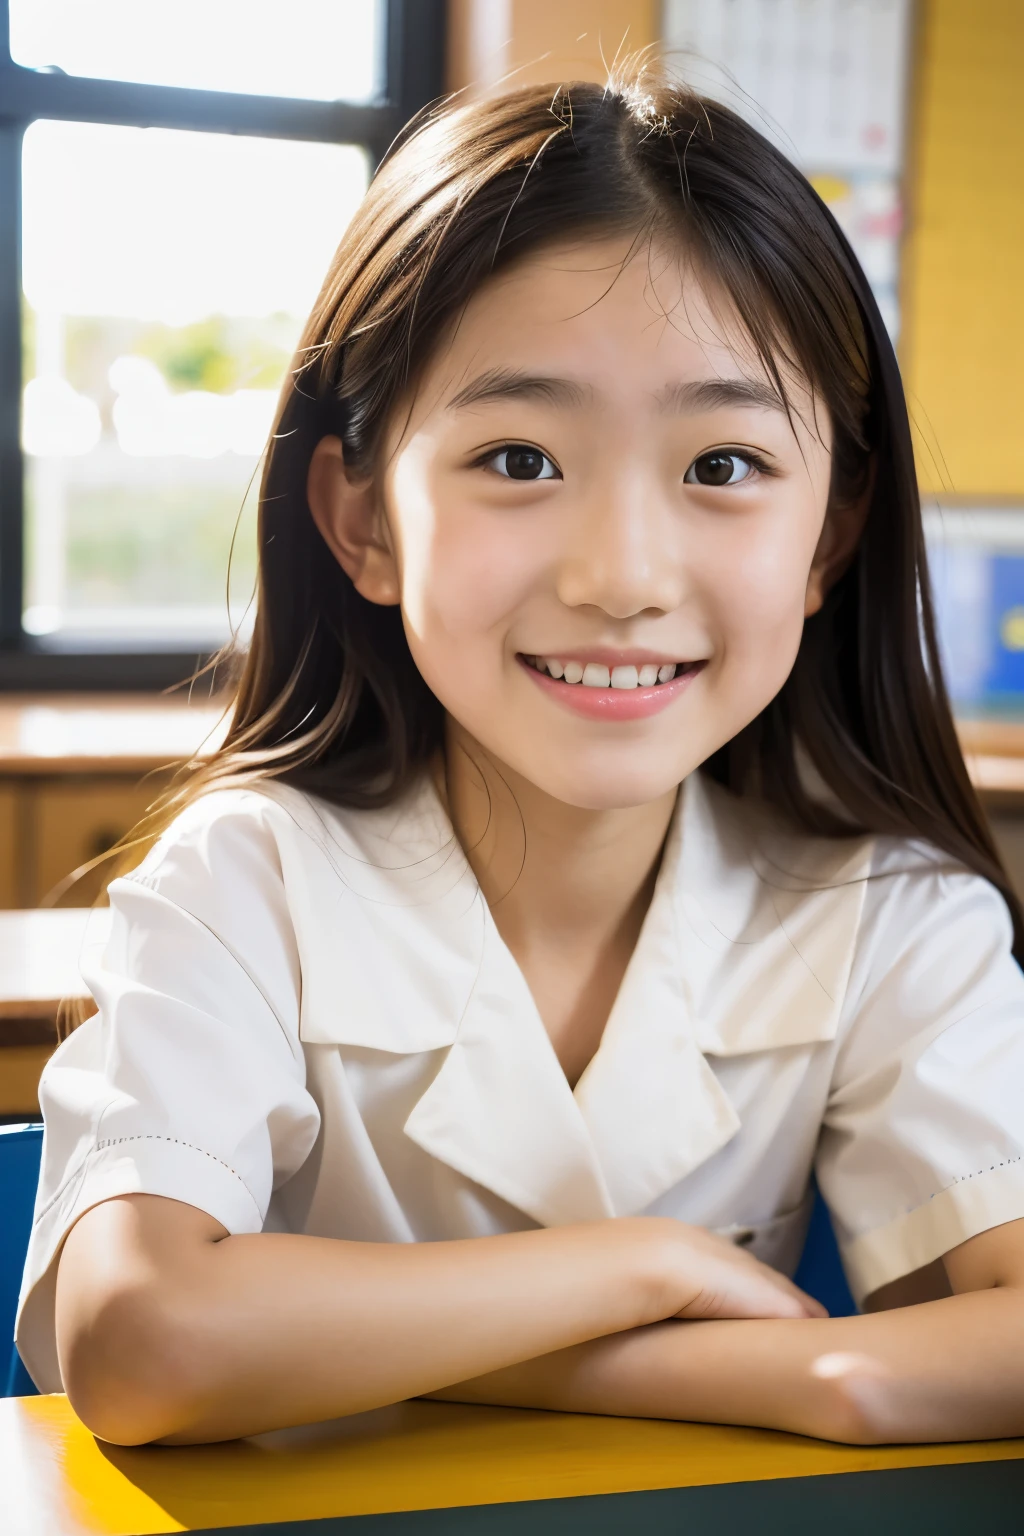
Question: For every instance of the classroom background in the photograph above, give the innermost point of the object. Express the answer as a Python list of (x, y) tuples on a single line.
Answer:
[(173, 181)]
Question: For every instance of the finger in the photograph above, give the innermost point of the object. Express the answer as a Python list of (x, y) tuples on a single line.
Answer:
[(812, 1307), (748, 1296), (751, 1290)]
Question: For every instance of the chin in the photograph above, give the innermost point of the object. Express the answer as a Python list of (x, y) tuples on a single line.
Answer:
[(594, 788)]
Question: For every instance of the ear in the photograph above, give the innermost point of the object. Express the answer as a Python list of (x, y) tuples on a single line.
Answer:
[(837, 545), (345, 511)]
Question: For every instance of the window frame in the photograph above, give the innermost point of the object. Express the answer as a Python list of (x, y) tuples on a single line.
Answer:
[(413, 71)]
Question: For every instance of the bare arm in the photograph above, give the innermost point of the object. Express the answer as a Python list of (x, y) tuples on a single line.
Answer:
[(167, 1328), (949, 1369)]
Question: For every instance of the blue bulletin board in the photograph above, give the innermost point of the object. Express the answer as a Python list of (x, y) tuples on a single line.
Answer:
[(977, 568)]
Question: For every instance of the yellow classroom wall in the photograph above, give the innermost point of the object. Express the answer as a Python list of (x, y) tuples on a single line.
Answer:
[(962, 285), (963, 260)]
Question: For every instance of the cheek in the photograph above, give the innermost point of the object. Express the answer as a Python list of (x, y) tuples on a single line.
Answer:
[(756, 587), (465, 570)]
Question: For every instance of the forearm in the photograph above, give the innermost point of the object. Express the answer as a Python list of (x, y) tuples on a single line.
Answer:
[(379, 1323), (210, 1339), (945, 1370)]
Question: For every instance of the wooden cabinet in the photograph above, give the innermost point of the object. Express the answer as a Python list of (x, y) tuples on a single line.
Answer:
[(21, 1067), (50, 826), (8, 846), (76, 773), (72, 822), (40, 963)]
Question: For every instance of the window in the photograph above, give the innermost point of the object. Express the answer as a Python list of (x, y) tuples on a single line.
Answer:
[(184, 173)]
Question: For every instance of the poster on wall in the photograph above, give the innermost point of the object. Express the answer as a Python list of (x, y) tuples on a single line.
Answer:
[(826, 80)]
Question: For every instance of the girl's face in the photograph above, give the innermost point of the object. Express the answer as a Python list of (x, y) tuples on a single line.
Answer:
[(603, 529)]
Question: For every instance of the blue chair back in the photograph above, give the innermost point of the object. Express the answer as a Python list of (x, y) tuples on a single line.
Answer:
[(820, 1272), (21, 1147)]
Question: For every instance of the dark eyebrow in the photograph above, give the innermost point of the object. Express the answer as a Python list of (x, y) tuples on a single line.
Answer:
[(510, 384), (712, 394), (692, 395)]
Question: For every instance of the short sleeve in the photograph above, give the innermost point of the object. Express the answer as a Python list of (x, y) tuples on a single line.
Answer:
[(189, 1081), (923, 1136)]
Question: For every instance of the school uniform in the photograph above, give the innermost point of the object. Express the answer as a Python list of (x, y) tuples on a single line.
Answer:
[(308, 1022)]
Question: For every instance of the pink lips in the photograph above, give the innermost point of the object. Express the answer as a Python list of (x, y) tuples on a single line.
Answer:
[(612, 704)]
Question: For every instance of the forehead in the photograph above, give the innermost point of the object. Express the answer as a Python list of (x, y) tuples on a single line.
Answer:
[(613, 312)]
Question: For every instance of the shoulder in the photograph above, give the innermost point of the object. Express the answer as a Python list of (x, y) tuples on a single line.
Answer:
[(231, 861), (917, 894), (887, 926), (902, 887), (258, 809), (270, 876), (270, 841), (236, 829), (935, 945)]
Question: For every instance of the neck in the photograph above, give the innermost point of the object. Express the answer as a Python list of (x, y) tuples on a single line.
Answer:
[(548, 870)]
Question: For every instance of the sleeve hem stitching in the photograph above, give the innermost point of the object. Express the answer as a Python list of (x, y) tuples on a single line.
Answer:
[(963, 1178), (912, 1210), (116, 1141)]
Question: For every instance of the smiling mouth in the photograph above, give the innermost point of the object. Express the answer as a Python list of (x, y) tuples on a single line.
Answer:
[(594, 674)]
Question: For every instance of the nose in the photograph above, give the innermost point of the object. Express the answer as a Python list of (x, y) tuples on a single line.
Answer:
[(622, 556)]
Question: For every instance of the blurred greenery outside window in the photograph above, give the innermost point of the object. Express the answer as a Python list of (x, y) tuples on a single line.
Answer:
[(166, 273), (166, 278)]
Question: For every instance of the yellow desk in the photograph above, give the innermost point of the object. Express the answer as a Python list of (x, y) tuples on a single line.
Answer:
[(483, 1469)]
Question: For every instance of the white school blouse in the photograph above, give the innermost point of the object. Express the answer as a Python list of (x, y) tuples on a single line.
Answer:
[(308, 1022)]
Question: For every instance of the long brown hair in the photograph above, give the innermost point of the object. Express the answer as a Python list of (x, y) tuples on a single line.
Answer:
[(329, 698)]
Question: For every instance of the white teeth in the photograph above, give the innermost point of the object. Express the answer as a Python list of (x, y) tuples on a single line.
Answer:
[(595, 675)]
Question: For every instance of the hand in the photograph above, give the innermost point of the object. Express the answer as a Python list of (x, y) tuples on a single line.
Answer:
[(699, 1275)]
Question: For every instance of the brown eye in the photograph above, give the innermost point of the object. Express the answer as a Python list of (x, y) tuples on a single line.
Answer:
[(718, 469), (520, 462)]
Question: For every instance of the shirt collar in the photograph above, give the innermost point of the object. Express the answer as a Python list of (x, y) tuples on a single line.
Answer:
[(747, 946)]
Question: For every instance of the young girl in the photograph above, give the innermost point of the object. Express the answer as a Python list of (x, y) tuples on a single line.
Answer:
[(589, 859)]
